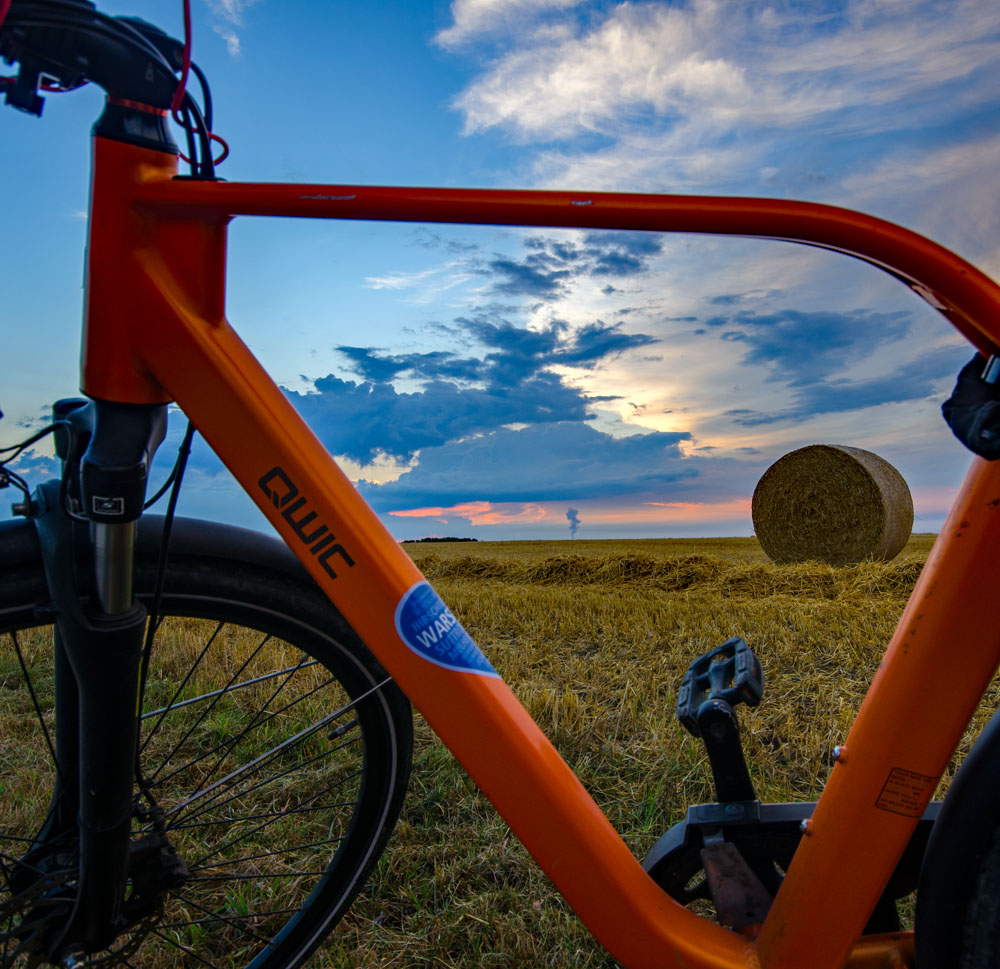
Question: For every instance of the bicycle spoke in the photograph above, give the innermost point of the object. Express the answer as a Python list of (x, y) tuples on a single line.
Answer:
[(36, 705), (256, 877), (291, 741), (268, 913), (214, 804), (200, 866), (187, 950), (244, 836), (228, 919), (152, 779), (180, 688), (231, 742), (258, 763), (23, 927), (208, 696), (271, 814)]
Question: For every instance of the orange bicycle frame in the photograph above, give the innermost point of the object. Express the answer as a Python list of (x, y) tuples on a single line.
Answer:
[(155, 331)]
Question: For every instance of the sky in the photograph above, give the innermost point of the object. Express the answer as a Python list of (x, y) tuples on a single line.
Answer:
[(506, 383)]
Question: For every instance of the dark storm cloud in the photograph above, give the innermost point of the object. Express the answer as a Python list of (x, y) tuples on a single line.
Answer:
[(510, 383), (534, 276), (914, 381), (506, 379), (371, 365), (550, 263), (801, 347), (362, 420), (513, 353), (598, 340), (544, 462)]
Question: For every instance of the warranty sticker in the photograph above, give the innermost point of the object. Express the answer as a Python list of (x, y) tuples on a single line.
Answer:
[(428, 627), (906, 792)]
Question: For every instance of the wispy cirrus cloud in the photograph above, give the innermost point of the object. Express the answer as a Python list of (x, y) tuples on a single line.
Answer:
[(749, 64), (472, 20), (708, 94), (227, 19)]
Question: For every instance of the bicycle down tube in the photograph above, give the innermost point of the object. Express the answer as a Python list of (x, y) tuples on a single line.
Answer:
[(155, 331)]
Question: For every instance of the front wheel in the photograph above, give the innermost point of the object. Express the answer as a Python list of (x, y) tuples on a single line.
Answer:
[(275, 752)]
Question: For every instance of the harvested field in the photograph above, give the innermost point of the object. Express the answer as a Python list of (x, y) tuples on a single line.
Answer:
[(594, 637)]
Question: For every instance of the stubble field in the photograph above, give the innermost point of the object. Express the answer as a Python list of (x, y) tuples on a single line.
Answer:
[(594, 637)]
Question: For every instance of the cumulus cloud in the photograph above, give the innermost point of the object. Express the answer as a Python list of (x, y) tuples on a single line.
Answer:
[(510, 382), (384, 421), (565, 461)]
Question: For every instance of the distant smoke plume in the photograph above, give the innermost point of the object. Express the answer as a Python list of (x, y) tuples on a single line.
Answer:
[(573, 517)]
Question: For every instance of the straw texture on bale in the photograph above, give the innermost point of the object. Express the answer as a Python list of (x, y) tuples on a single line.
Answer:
[(832, 503)]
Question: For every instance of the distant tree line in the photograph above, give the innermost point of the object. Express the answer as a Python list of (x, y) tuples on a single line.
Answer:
[(450, 538)]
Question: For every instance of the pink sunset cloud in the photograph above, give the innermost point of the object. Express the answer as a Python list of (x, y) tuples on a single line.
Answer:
[(478, 513)]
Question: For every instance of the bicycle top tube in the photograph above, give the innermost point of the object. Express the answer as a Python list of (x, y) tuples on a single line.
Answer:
[(160, 243), (944, 280)]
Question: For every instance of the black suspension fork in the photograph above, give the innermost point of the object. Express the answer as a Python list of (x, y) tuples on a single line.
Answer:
[(106, 450)]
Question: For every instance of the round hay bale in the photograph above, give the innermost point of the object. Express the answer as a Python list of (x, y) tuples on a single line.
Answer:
[(833, 504)]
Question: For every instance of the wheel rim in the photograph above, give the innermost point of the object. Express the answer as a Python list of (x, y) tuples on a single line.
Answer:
[(256, 756)]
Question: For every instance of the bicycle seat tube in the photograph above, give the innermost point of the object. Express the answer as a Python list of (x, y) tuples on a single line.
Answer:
[(99, 640)]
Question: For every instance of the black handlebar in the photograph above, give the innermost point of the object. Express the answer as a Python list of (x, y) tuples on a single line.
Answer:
[(70, 42)]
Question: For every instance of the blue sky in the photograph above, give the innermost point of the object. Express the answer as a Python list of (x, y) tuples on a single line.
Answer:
[(507, 383)]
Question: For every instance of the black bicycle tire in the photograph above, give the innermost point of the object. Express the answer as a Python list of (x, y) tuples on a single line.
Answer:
[(980, 942), (237, 576), (957, 918)]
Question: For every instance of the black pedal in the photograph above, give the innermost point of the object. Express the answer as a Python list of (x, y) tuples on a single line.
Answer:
[(730, 672), (726, 676)]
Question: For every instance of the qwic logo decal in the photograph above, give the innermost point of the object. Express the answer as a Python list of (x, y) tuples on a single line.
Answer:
[(428, 627), (285, 496)]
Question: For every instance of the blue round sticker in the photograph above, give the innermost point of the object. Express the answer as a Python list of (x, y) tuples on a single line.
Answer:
[(428, 627)]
